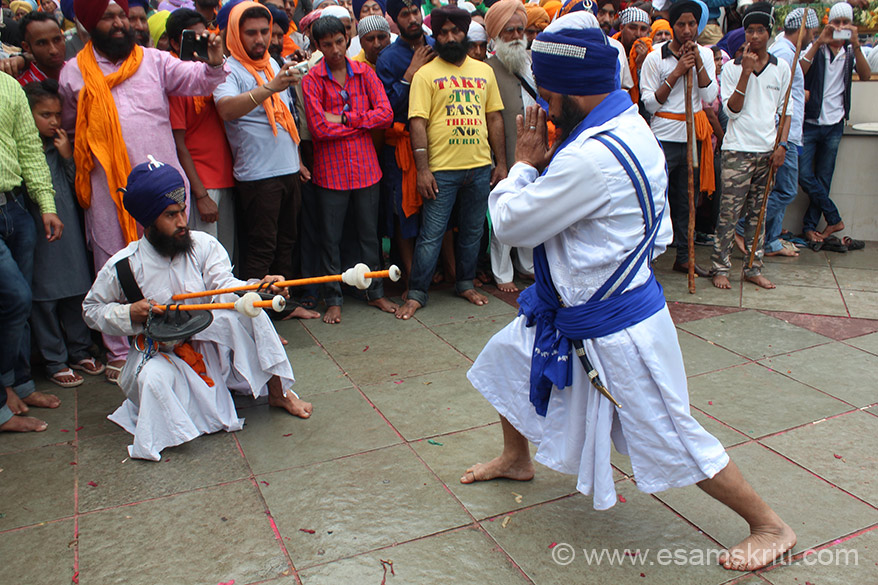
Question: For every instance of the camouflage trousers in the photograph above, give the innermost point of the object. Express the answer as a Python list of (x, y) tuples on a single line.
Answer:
[(744, 177)]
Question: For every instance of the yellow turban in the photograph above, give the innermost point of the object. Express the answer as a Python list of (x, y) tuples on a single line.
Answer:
[(660, 24), (157, 23), (552, 7), (536, 16)]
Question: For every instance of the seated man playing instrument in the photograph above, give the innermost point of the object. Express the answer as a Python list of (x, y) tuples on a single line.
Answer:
[(595, 210), (180, 390)]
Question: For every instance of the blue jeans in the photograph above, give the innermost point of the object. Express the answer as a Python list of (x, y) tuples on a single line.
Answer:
[(782, 194), (18, 237), (470, 189), (816, 166)]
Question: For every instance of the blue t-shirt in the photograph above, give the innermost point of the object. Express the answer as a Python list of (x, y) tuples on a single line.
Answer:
[(258, 153)]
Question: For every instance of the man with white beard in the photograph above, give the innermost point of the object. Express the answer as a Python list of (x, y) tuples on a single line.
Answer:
[(505, 23)]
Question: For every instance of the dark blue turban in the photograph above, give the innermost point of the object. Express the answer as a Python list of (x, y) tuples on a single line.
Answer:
[(733, 41), (279, 17), (67, 10), (152, 188), (575, 62), (142, 3), (358, 6), (222, 17), (394, 7)]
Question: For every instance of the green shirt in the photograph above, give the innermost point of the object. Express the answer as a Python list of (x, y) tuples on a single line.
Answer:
[(21, 149)]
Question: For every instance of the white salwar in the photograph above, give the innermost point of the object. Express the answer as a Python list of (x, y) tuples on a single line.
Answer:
[(168, 403), (586, 212)]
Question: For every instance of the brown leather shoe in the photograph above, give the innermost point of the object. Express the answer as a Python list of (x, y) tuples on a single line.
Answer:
[(684, 268)]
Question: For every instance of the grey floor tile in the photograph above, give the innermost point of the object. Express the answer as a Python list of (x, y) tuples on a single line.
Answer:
[(374, 360), (314, 370), (700, 356), (36, 485), (471, 335), (357, 504), (433, 404), (855, 259), (342, 423), (633, 532), (801, 299), (205, 461), (851, 561), (462, 556), (219, 534), (785, 487), (866, 342), (444, 306), (758, 402), (38, 555), (841, 450), (753, 334), (861, 304), (359, 321), (856, 279), (483, 499), (802, 275), (94, 403), (835, 368)]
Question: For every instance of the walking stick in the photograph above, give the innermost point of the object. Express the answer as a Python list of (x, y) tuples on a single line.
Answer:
[(768, 184), (690, 168)]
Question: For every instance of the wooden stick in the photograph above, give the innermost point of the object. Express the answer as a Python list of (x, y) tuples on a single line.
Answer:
[(392, 273), (690, 145), (769, 183)]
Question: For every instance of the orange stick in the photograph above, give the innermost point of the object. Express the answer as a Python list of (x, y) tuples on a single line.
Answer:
[(210, 306), (280, 284)]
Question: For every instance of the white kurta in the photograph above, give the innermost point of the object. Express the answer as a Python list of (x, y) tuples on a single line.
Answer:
[(586, 212), (168, 403)]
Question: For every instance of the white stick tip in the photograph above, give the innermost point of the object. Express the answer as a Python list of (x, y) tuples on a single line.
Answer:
[(394, 273), (245, 305), (278, 303)]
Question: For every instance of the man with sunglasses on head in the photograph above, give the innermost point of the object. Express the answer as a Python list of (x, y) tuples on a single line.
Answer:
[(344, 100)]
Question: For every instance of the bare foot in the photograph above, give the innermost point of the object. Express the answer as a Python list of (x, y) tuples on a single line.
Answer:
[(333, 315), (474, 297), (384, 304), (114, 369), (42, 400), (507, 287), (283, 340), (831, 229), (407, 310), (15, 404), (760, 280), (302, 313), (759, 549), (741, 245), (23, 424), (437, 277), (784, 252), (500, 467), (720, 281), (291, 403), (813, 236)]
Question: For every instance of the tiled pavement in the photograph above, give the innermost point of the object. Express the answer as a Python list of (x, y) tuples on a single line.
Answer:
[(786, 379)]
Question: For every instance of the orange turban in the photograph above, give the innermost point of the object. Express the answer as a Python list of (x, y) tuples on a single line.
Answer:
[(499, 15), (536, 16), (552, 7), (660, 24)]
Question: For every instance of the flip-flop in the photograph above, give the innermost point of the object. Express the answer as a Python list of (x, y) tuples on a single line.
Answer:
[(92, 369), (815, 245), (853, 244), (113, 370), (56, 378), (833, 244)]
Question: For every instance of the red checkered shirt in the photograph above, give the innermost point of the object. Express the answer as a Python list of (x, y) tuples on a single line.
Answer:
[(31, 74), (344, 155)]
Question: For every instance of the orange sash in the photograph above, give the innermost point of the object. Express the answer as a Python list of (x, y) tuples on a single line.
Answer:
[(703, 132), (99, 133), (195, 360), (634, 92), (398, 137)]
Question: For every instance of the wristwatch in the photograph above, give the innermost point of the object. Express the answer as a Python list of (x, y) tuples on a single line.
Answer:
[(784, 144)]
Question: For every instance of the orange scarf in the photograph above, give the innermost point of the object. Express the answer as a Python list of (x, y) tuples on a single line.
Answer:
[(195, 360), (276, 110), (398, 137), (99, 133), (634, 92), (703, 132)]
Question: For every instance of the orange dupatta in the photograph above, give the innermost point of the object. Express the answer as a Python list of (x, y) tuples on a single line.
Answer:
[(99, 133), (275, 108), (400, 139), (703, 132)]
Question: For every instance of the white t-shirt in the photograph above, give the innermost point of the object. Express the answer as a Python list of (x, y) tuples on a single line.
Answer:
[(753, 128), (832, 109)]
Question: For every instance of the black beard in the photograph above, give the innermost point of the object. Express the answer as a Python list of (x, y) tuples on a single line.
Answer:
[(453, 52), (571, 117), (141, 37), (114, 49), (168, 246), (412, 37), (275, 52)]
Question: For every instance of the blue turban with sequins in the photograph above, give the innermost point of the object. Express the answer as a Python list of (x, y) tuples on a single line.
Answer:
[(575, 62), (152, 187)]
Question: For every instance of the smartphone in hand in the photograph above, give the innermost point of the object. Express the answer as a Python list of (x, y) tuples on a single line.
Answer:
[(193, 48)]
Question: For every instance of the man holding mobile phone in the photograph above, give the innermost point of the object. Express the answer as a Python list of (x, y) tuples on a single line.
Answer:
[(828, 65)]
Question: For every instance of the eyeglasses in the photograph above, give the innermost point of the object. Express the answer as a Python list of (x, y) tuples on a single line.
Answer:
[(345, 96)]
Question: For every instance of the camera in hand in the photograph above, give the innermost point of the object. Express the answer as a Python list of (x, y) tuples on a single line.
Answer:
[(193, 47), (842, 35)]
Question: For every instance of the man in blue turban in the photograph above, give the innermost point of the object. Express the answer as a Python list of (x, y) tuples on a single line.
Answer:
[(594, 207), (185, 392)]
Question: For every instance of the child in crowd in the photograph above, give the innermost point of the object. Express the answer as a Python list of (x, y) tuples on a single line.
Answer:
[(61, 269)]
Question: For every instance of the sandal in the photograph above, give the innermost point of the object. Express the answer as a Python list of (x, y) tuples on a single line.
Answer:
[(90, 366), (112, 373), (833, 244), (853, 244), (67, 373)]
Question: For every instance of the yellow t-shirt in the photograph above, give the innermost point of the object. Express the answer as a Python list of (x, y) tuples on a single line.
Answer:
[(454, 101)]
